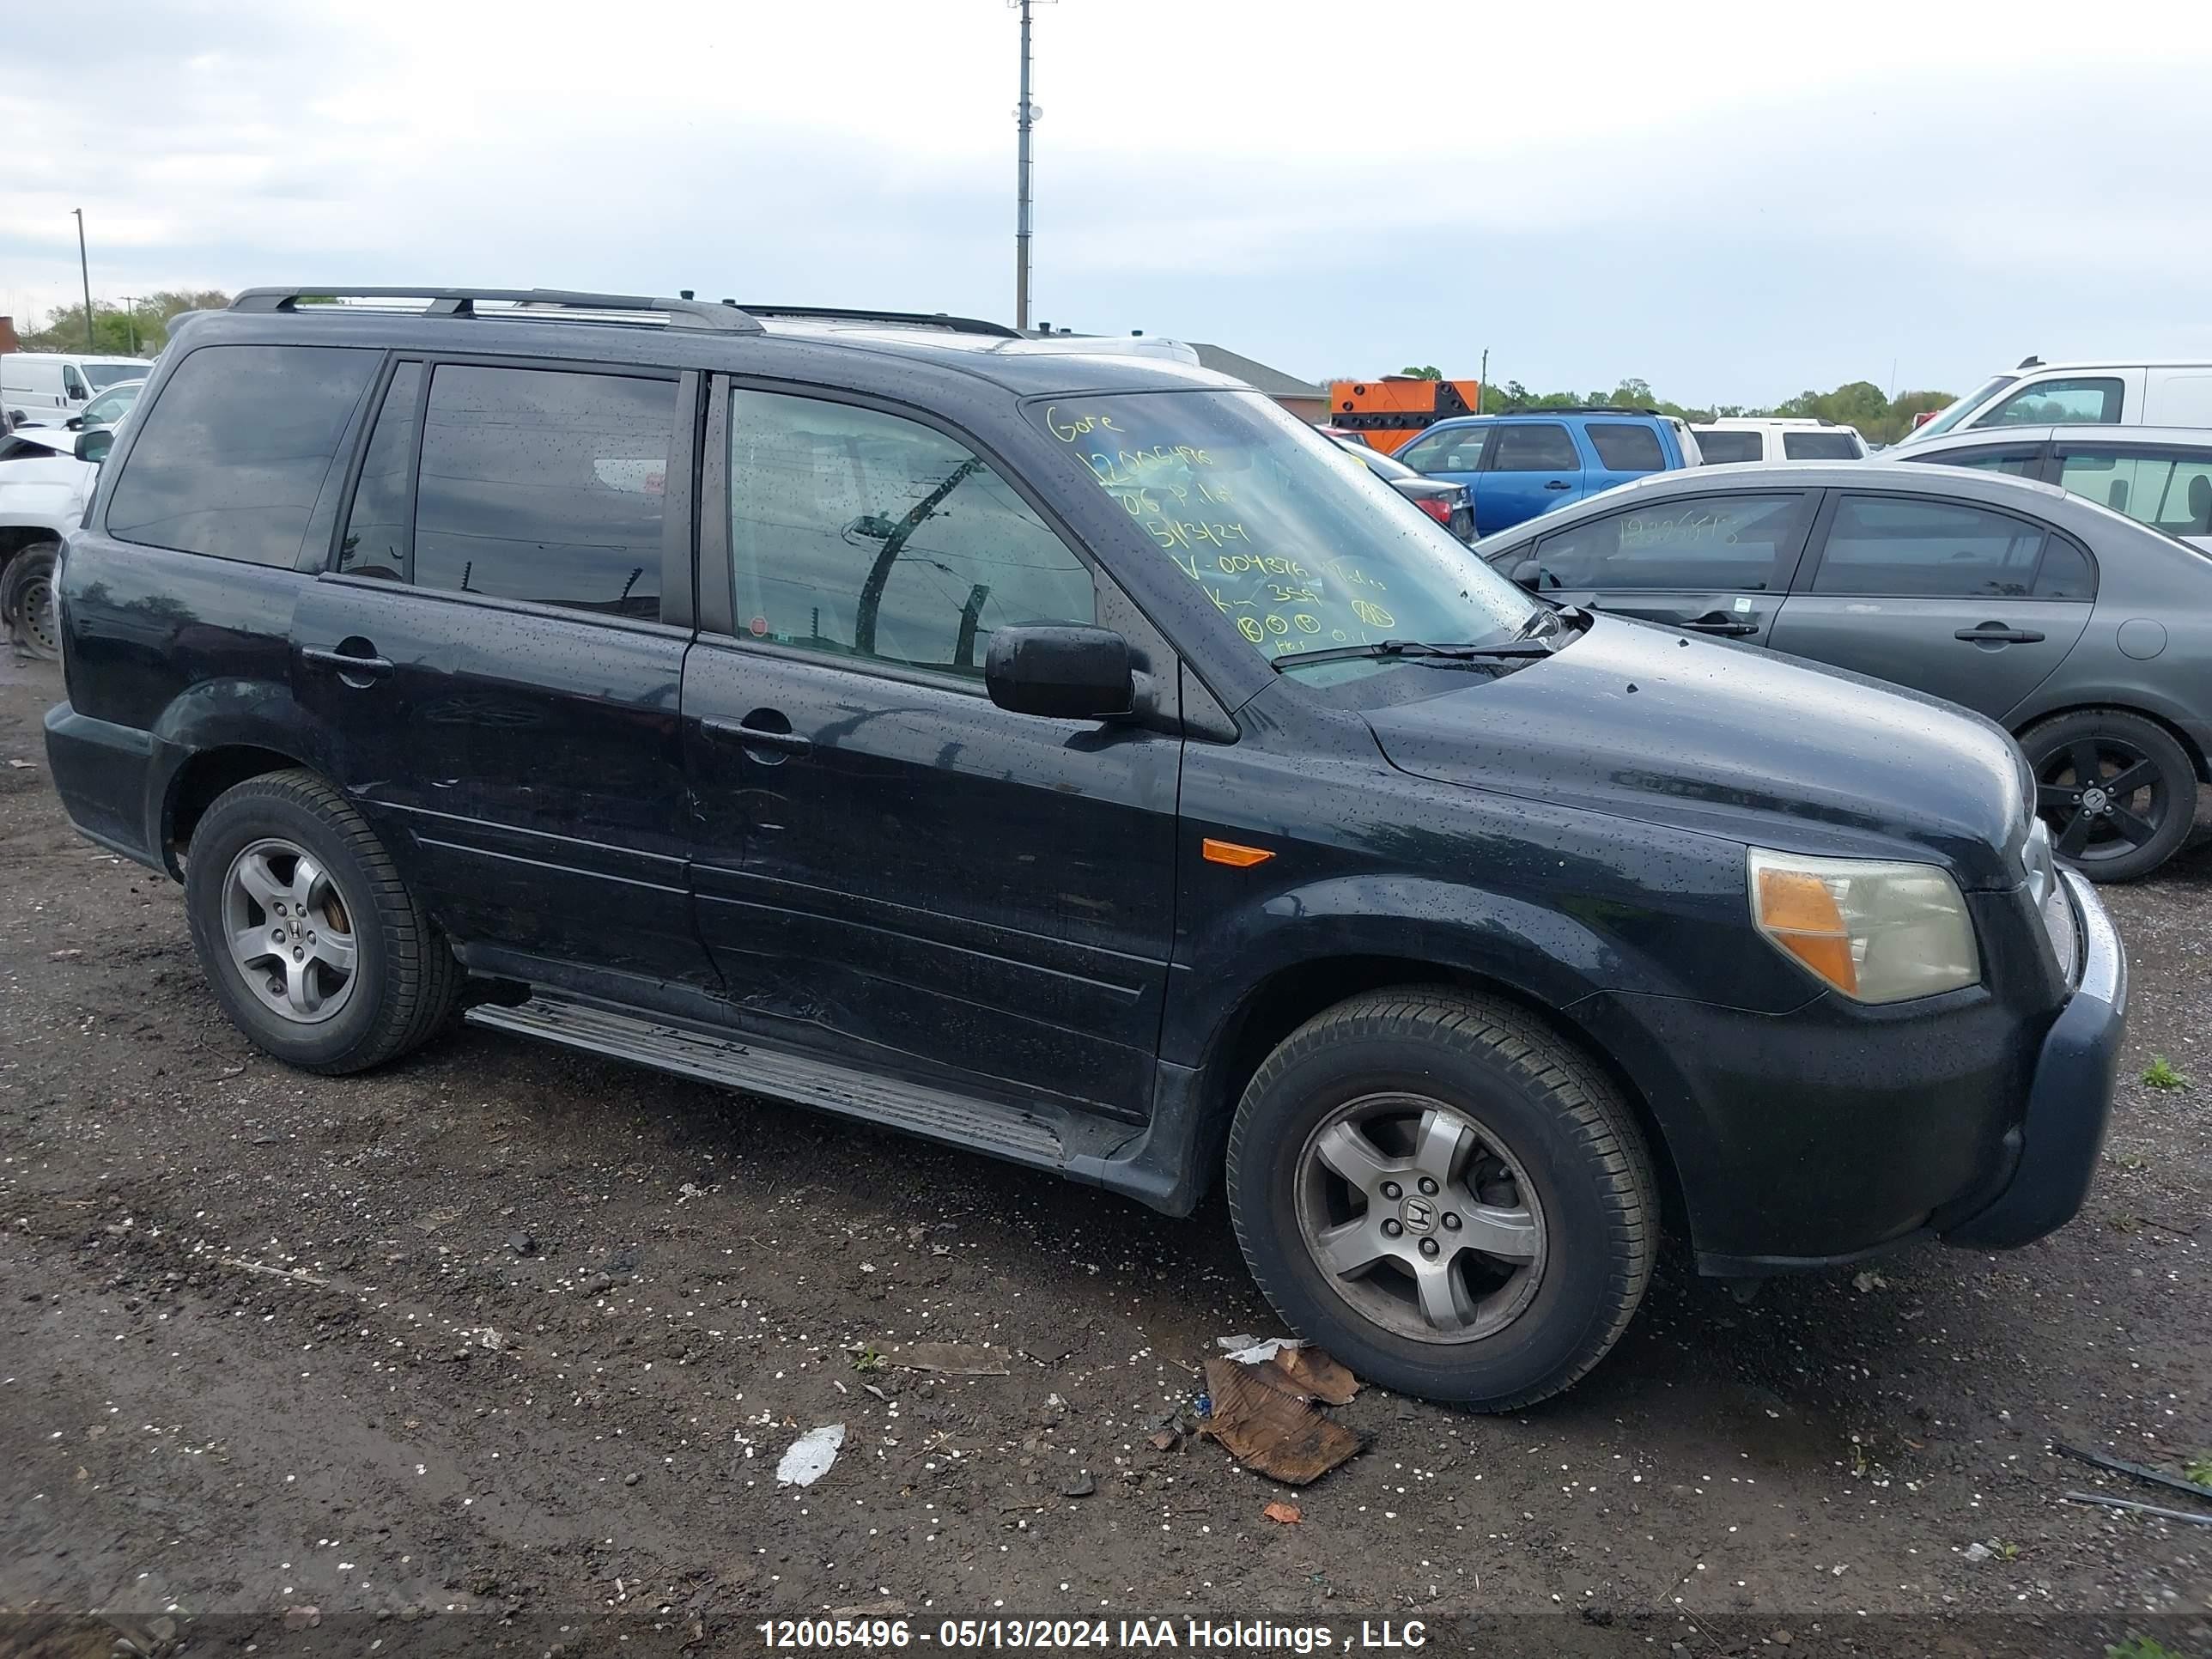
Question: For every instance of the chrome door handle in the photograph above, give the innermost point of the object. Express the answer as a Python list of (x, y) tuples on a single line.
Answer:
[(345, 662)]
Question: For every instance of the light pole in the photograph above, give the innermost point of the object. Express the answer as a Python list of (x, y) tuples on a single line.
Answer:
[(84, 269), (131, 319)]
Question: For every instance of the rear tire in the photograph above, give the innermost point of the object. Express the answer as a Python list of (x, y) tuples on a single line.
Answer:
[(27, 600), (1507, 1149), (2118, 791), (314, 947)]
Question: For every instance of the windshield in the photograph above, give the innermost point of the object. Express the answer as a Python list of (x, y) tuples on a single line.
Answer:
[(103, 375), (110, 407), (1302, 552), (1959, 411)]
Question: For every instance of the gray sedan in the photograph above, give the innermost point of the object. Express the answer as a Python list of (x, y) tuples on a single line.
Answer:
[(2085, 635)]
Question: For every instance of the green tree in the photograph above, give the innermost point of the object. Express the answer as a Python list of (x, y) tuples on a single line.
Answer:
[(115, 330), (1429, 373)]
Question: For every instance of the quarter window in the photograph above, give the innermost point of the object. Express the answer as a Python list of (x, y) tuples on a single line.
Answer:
[(2094, 400), (544, 485), (1720, 448), (859, 534), (1907, 547), (2170, 489), (1735, 544), (1456, 449), (1537, 446), (379, 539), (230, 459), (1624, 448)]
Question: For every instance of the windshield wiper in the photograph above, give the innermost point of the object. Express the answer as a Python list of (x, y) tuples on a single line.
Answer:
[(1498, 650)]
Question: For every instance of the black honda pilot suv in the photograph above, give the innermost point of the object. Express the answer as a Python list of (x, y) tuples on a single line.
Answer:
[(1063, 753)]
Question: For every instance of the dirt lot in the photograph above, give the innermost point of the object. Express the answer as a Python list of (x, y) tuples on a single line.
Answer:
[(509, 1330)]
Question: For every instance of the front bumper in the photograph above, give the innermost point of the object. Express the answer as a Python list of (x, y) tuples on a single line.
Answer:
[(2057, 1143), (1836, 1132)]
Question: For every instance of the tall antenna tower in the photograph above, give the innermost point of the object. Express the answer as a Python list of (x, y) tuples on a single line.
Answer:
[(1025, 120)]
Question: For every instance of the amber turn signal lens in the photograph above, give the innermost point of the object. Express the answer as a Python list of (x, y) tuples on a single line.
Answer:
[(1235, 855), (1799, 913)]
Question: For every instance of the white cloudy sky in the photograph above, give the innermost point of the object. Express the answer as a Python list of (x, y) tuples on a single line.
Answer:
[(1735, 202)]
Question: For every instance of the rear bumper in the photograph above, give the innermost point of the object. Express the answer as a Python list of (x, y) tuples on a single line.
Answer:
[(101, 771), (2058, 1141)]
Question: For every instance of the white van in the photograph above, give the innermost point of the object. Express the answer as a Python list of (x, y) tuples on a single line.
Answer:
[(45, 388), (1797, 440), (2143, 393)]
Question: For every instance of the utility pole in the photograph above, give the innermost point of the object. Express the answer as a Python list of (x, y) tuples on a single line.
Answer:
[(131, 319), (84, 269), (1025, 119), (1482, 384)]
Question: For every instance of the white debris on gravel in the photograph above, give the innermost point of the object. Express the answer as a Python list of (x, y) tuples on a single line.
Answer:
[(810, 1456), (1256, 1350)]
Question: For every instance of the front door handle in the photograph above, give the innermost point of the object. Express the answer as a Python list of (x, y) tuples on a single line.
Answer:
[(748, 735), (1998, 634), (352, 667), (1728, 625), (1558, 483)]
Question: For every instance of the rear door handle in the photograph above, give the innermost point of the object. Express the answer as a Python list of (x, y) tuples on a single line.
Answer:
[(345, 662), (1558, 483), (1728, 625), (754, 736), (1998, 634)]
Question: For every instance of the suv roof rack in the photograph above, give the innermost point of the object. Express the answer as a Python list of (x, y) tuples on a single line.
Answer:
[(908, 319), (1577, 409), (462, 302)]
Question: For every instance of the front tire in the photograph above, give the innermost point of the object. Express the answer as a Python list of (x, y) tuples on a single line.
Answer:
[(2118, 791), (314, 947), (1445, 1195)]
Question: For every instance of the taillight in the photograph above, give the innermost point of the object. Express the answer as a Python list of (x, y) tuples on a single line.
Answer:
[(1436, 506)]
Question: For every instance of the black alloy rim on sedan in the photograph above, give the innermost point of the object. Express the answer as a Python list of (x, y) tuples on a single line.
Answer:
[(2102, 797)]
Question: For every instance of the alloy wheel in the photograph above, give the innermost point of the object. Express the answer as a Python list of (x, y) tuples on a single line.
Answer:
[(1417, 1216), (288, 930), (2102, 796)]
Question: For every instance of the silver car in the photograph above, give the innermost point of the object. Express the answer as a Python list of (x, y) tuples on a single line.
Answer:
[(2160, 476), (2087, 635)]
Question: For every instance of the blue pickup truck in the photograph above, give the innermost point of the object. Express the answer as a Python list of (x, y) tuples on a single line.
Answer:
[(1515, 466)]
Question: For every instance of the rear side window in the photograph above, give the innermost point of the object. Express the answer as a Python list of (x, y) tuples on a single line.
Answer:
[(1624, 448), (2170, 489), (1908, 548), (1820, 446), (1456, 449), (2093, 400), (545, 485), (1539, 446), (1737, 544), (230, 459), (1720, 448), (859, 534)]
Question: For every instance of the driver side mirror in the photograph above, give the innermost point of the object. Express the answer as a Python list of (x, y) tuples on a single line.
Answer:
[(1530, 574), (94, 445), (1062, 671)]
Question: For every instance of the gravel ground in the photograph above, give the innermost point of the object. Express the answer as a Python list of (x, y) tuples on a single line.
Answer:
[(508, 1330)]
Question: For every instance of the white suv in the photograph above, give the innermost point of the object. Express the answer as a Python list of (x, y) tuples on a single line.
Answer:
[(2143, 393), (1797, 440)]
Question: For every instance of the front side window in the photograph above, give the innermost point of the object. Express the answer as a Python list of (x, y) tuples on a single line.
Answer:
[(1720, 448), (1299, 552), (230, 459), (1456, 449), (2169, 489), (1624, 448), (2094, 401), (1537, 446), (544, 485), (861, 534), (73, 385), (1820, 446), (1735, 544), (1895, 546)]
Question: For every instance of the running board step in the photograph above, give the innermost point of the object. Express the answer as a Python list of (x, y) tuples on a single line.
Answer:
[(958, 1120)]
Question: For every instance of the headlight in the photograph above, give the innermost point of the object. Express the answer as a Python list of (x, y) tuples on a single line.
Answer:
[(1877, 932)]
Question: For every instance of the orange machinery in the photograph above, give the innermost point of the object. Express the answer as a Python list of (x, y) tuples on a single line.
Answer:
[(1389, 413)]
